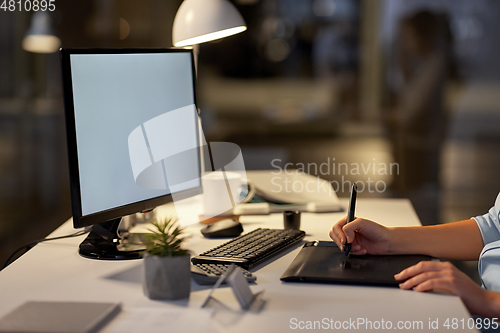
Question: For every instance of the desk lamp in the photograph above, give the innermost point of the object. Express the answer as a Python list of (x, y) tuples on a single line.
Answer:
[(200, 21), (40, 37)]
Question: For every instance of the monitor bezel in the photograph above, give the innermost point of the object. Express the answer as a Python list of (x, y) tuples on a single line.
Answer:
[(79, 220)]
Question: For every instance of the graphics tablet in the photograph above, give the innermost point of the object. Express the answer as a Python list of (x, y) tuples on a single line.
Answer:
[(323, 262)]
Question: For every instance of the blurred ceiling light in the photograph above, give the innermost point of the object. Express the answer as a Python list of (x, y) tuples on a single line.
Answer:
[(324, 7), (124, 28), (277, 50), (199, 21), (40, 37)]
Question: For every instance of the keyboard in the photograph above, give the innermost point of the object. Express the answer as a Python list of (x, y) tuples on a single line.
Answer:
[(210, 273), (250, 249)]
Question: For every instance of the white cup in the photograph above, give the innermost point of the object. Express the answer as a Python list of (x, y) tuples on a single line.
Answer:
[(221, 192)]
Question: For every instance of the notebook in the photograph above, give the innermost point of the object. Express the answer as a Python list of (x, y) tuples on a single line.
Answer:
[(67, 317), (323, 262)]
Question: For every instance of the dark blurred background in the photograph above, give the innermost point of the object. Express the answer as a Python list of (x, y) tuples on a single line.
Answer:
[(415, 83)]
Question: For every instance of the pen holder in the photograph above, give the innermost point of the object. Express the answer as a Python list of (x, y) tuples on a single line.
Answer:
[(291, 220)]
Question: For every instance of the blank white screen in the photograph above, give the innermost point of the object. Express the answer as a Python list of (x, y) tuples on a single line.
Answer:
[(113, 94)]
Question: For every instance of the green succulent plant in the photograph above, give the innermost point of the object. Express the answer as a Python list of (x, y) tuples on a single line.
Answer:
[(165, 239)]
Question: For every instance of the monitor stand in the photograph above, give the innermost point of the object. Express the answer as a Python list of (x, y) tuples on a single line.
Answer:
[(105, 243)]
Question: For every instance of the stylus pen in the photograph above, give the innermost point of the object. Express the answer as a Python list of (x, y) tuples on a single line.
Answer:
[(350, 214)]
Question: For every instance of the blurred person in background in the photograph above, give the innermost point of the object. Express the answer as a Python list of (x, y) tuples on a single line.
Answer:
[(417, 119)]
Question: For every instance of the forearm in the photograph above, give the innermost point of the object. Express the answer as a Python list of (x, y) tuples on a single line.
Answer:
[(459, 240), (490, 307)]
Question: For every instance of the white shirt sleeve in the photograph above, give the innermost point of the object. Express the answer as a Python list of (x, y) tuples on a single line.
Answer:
[(489, 266), (489, 260), (489, 223)]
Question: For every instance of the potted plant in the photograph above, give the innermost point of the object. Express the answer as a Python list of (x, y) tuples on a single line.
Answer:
[(167, 270)]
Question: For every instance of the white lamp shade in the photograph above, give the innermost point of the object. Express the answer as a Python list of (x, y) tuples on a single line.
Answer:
[(199, 21), (41, 43), (41, 38)]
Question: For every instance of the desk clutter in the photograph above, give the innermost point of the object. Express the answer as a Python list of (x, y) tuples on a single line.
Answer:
[(55, 273), (236, 280)]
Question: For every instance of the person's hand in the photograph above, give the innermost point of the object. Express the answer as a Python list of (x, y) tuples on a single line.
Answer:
[(365, 236), (444, 277)]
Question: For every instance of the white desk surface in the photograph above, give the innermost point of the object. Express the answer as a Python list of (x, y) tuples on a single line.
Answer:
[(54, 271)]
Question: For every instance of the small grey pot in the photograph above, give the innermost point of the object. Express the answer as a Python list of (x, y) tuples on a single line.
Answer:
[(167, 278)]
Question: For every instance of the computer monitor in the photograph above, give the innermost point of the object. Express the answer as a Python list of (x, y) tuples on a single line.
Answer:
[(133, 138)]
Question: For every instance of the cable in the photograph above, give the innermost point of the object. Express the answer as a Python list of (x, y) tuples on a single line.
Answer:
[(32, 244)]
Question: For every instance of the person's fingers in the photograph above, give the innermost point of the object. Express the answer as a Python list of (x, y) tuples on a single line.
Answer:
[(340, 224), (357, 250), (336, 234), (335, 238), (441, 285), (421, 267), (420, 278), (351, 228)]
